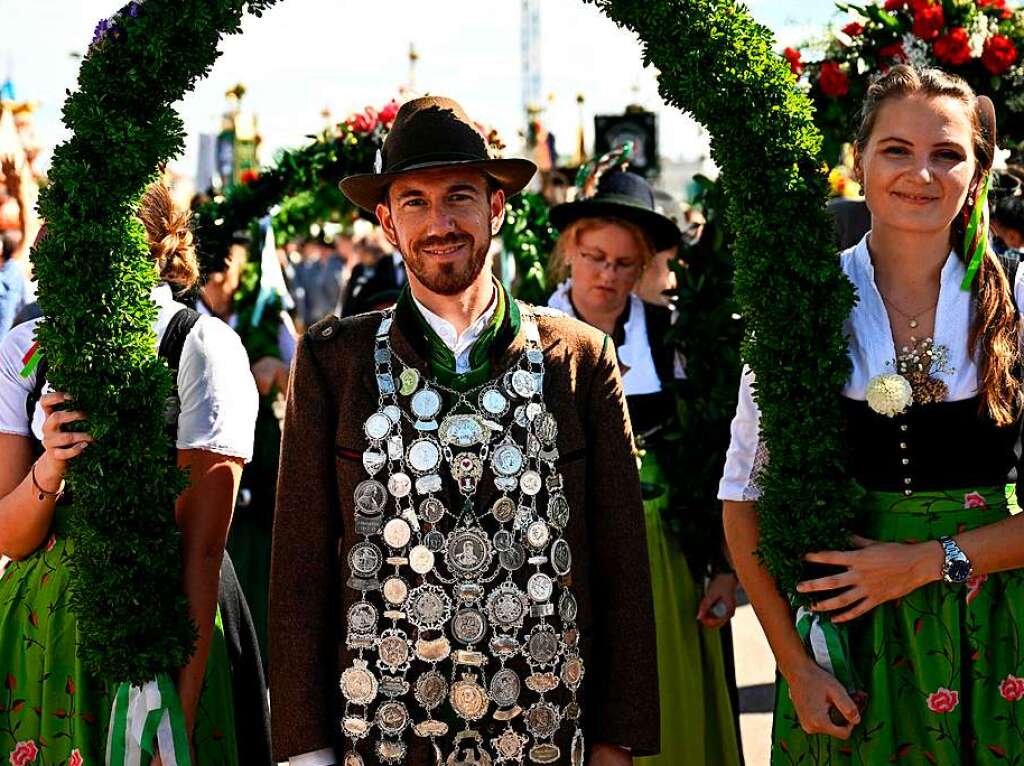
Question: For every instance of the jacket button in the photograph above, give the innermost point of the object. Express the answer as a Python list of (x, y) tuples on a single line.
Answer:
[(327, 332), (906, 461), (904, 427), (908, 492), (903, 445), (907, 480)]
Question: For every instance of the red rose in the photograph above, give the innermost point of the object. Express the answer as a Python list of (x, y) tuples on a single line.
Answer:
[(894, 51), (954, 47), (833, 80), (11, 682), (76, 758), (974, 587), (999, 5), (974, 500), (1012, 688), (999, 54), (388, 113), (928, 21), (363, 122), (24, 753), (248, 176), (853, 29), (894, 5), (943, 701), (792, 55)]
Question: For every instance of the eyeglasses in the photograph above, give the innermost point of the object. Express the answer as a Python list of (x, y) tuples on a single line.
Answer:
[(599, 262)]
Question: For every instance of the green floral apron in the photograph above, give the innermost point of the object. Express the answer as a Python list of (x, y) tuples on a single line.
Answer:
[(53, 712), (943, 667)]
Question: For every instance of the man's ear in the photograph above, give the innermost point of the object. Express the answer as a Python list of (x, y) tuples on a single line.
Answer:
[(387, 223), (497, 211)]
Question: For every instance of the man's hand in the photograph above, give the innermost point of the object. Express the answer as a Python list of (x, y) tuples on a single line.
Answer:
[(721, 590), (603, 754)]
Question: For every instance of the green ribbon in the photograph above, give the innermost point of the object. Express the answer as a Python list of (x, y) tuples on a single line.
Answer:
[(976, 236), (827, 643), (143, 719)]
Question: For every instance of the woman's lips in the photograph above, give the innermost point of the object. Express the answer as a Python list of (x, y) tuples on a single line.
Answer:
[(914, 199)]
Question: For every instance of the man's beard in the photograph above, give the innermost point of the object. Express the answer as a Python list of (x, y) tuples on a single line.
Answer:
[(449, 278)]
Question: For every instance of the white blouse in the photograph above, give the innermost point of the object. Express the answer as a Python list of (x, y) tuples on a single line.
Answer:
[(872, 352), (215, 386)]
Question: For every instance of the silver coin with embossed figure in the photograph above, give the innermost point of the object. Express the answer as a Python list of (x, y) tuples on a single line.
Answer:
[(468, 552), (558, 510), (393, 412), (542, 720), (504, 509), (358, 684), (530, 482), (434, 541), (432, 510), (542, 645), (426, 403), (365, 559), (431, 689), (507, 606), (370, 497), (513, 558), (507, 459), (504, 687), (362, 617), (540, 587), (561, 557), (538, 534), (567, 607), (377, 426), (395, 590), (523, 384), (469, 626), (429, 607), (399, 485), (502, 540), (421, 558), (493, 401), (424, 455), (397, 533)]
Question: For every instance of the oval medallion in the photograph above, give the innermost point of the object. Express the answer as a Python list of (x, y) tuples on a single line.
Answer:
[(395, 590), (408, 381), (513, 558), (434, 541), (426, 403), (469, 626), (421, 559), (542, 720), (468, 698), (355, 727), (530, 482), (397, 533), (504, 509), (370, 497), (558, 510), (537, 535), (463, 431), (391, 751), (358, 684), (561, 557), (424, 455), (431, 689), (542, 645), (432, 510), (392, 717), (377, 426), (572, 672), (429, 607), (567, 606), (507, 606), (394, 650), (364, 559), (504, 687), (540, 587), (352, 758), (533, 409), (493, 402), (502, 540), (399, 485), (507, 460), (545, 752)]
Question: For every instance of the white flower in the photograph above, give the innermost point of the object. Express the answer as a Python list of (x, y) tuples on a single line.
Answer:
[(917, 51), (889, 394), (977, 34)]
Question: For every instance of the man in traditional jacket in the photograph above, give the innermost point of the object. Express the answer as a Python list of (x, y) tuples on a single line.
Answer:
[(460, 569)]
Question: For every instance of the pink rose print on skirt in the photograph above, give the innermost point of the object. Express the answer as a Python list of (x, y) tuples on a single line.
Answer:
[(24, 753), (1012, 688), (943, 701), (974, 500), (76, 758), (50, 543), (974, 587)]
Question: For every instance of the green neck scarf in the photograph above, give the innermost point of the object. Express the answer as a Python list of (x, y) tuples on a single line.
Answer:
[(492, 343)]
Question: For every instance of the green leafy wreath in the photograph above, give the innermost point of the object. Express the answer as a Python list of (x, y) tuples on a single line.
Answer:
[(95, 277)]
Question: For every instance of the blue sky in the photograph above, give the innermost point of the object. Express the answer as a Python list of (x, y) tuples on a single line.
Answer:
[(307, 55)]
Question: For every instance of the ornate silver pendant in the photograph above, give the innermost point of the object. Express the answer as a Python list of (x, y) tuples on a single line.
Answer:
[(358, 684), (429, 607), (504, 688), (468, 553), (469, 626), (431, 689), (507, 606), (468, 698), (542, 720), (370, 497)]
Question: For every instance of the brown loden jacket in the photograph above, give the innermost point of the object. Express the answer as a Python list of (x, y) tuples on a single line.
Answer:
[(332, 392)]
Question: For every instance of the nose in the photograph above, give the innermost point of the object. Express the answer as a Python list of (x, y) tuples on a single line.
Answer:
[(440, 222), (923, 172)]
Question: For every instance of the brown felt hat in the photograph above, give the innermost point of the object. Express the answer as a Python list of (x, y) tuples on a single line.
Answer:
[(432, 132)]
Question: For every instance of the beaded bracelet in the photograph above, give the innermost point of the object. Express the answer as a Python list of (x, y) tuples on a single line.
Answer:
[(43, 494)]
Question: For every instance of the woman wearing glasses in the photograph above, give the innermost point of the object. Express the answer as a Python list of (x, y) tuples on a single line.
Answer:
[(606, 241)]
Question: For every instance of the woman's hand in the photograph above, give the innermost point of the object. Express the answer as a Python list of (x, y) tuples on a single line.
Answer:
[(61, 446), (270, 372), (814, 693), (721, 590), (875, 573)]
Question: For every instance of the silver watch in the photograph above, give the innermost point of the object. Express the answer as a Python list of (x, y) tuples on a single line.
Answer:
[(957, 567)]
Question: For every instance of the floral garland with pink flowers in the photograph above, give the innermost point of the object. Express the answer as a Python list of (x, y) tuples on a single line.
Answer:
[(980, 40)]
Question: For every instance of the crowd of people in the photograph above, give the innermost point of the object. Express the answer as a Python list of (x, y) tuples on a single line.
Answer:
[(426, 522)]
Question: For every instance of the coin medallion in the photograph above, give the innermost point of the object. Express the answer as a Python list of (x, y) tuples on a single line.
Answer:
[(408, 381), (373, 460), (364, 559), (362, 618), (424, 456), (358, 684), (421, 558), (504, 509), (469, 626), (504, 687), (493, 402), (523, 384), (542, 720), (468, 698), (507, 606), (540, 587), (542, 645), (513, 558), (567, 607), (432, 510), (507, 460), (370, 497), (572, 672), (426, 403), (377, 426), (538, 534), (530, 482), (429, 607), (395, 590), (509, 746), (468, 553), (561, 557), (503, 540), (392, 717), (399, 485), (391, 751), (393, 650), (397, 533)]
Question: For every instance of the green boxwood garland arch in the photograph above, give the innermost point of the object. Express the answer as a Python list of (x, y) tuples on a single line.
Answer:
[(95, 278)]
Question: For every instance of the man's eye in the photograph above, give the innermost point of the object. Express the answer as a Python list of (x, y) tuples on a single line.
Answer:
[(459, 197), (413, 203)]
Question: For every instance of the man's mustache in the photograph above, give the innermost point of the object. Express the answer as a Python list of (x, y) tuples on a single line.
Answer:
[(449, 240)]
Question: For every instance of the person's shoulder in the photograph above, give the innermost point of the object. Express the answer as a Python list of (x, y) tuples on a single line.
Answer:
[(20, 338), (332, 329), (580, 339), (219, 348)]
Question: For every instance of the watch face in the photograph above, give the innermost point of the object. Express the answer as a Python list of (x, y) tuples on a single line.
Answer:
[(958, 571)]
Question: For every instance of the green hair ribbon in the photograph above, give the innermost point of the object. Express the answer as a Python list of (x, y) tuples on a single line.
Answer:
[(976, 236)]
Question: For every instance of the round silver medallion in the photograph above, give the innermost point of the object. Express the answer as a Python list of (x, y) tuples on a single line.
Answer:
[(426, 403), (537, 534), (513, 558), (362, 618), (561, 557), (424, 455), (399, 484), (392, 717), (469, 626), (542, 645), (507, 606), (504, 509), (530, 482), (523, 384), (567, 607), (432, 510), (519, 415), (421, 558), (358, 684), (429, 607), (365, 559), (542, 720), (393, 413), (504, 687), (540, 587), (397, 533), (493, 401), (393, 650), (395, 590), (377, 426), (373, 460), (370, 497), (533, 409), (468, 552), (431, 689), (507, 460), (434, 541), (502, 540)]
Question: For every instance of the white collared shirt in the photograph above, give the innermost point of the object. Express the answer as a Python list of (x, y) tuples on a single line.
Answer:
[(461, 344)]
